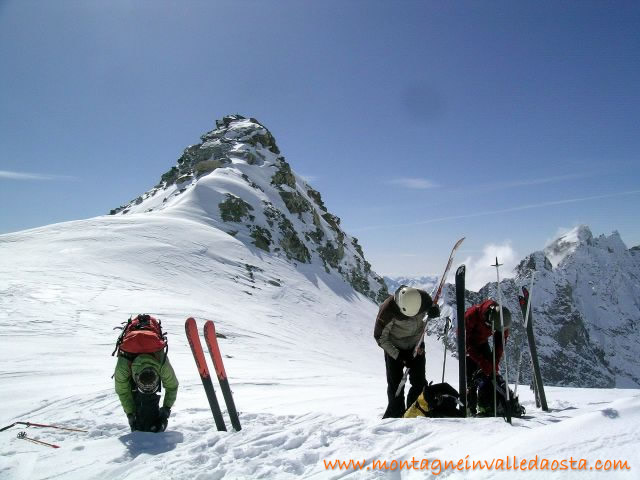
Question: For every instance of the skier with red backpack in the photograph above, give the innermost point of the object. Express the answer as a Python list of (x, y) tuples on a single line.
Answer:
[(143, 368), (482, 322)]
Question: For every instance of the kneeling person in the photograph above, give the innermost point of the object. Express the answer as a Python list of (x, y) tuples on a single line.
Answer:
[(482, 322), (138, 384)]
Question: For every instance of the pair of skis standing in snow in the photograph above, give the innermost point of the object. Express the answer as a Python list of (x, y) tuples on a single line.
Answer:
[(401, 321), (143, 369)]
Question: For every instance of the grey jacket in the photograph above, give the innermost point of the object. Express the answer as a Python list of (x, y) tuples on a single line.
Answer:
[(394, 331)]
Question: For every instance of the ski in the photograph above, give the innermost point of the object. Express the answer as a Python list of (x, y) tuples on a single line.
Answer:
[(533, 386), (527, 315), (23, 436), (29, 424), (198, 355), (446, 270), (218, 365), (435, 296), (462, 347)]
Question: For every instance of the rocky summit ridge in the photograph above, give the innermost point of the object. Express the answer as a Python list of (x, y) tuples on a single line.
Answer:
[(237, 180)]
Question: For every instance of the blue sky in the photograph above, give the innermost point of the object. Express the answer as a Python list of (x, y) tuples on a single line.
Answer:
[(418, 121)]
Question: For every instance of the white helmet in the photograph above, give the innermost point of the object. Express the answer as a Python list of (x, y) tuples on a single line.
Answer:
[(408, 300)]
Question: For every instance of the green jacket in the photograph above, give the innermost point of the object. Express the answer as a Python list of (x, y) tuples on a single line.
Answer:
[(125, 369)]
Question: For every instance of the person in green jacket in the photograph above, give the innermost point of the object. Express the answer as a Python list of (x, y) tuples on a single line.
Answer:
[(138, 384)]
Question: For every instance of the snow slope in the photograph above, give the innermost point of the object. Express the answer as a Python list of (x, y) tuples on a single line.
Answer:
[(307, 376)]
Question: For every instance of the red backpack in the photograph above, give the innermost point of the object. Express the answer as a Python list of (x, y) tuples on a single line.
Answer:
[(141, 334)]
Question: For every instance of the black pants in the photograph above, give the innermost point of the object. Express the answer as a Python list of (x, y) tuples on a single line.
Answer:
[(147, 411), (395, 368), (480, 390)]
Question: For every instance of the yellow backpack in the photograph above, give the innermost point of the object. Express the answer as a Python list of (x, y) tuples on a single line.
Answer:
[(439, 400)]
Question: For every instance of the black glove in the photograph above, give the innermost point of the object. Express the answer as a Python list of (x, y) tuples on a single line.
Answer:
[(163, 418), (434, 311), (406, 356), (131, 417)]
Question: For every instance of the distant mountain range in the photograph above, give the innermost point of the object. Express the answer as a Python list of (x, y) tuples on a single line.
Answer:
[(426, 283), (586, 308)]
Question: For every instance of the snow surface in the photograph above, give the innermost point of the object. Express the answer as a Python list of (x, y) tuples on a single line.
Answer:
[(307, 376)]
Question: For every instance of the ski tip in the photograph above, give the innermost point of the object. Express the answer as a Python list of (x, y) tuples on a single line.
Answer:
[(189, 324), (209, 329)]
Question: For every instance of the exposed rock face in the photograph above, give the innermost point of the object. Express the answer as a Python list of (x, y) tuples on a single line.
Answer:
[(238, 181)]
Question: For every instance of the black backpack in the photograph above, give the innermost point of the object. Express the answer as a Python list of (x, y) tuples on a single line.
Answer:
[(442, 400)]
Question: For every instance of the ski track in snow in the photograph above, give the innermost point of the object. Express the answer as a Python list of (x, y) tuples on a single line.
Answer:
[(307, 377)]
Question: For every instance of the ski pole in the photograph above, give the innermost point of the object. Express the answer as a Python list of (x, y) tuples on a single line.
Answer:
[(23, 436), (495, 384), (447, 326), (504, 346), (515, 390), (29, 424)]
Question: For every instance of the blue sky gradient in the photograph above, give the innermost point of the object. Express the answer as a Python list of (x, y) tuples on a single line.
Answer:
[(418, 121)]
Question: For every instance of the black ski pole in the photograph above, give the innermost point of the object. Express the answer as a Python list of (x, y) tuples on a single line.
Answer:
[(447, 326)]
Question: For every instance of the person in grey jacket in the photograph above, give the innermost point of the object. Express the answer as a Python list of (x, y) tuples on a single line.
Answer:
[(399, 326)]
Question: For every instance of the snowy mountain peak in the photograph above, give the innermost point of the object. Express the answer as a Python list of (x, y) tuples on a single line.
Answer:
[(612, 242), (237, 180), (581, 238), (587, 306), (567, 243)]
